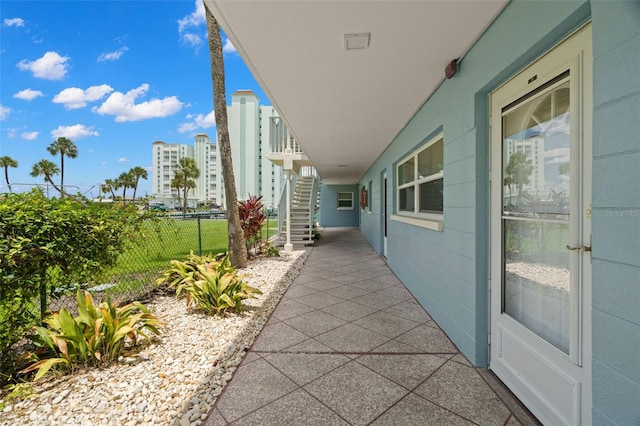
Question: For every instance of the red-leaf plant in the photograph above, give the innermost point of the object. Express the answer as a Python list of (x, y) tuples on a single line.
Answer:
[(251, 212)]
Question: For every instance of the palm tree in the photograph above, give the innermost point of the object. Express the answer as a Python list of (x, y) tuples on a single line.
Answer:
[(109, 185), (176, 182), (64, 147), (137, 173), (237, 249), (125, 180), (187, 171), (48, 169), (6, 162)]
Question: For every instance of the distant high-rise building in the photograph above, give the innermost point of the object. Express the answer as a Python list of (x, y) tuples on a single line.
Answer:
[(249, 136)]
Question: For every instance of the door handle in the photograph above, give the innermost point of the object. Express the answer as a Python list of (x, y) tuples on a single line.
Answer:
[(581, 248)]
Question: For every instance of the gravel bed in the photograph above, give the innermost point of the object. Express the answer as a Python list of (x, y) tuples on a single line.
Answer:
[(539, 274), (176, 379)]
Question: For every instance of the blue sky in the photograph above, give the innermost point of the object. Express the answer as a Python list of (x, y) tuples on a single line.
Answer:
[(113, 76)]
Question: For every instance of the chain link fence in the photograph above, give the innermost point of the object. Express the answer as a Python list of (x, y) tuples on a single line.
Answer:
[(167, 237)]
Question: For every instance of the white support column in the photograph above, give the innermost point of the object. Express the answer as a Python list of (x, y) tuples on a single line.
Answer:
[(288, 246)]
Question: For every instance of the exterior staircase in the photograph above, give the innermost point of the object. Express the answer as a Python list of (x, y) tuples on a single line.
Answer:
[(303, 209)]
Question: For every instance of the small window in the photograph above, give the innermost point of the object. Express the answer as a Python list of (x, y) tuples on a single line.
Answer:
[(420, 183), (345, 200)]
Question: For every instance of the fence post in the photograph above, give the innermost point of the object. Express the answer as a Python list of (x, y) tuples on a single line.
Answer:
[(199, 238)]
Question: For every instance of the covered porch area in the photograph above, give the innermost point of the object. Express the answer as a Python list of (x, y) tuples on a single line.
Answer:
[(348, 344)]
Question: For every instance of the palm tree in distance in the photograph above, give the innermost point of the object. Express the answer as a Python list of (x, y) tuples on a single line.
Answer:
[(6, 162), (109, 186), (125, 180), (48, 169), (187, 172), (66, 148), (137, 173), (237, 249)]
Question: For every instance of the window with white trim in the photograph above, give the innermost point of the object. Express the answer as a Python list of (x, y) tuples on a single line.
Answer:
[(345, 200), (420, 182)]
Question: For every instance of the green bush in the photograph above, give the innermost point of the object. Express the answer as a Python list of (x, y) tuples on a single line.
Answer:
[(45, 243), (211, 285), (95, 337)]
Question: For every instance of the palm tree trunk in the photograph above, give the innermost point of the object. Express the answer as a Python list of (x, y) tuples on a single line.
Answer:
[(237, 250), (6, 177), (62, 173)]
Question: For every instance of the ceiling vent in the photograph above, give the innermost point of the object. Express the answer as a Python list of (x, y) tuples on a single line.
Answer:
[(356, 41)]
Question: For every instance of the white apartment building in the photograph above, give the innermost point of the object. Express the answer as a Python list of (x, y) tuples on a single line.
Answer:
[(249, 131), (249, 134)]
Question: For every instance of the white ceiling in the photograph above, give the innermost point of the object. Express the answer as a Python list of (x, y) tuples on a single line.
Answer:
[(345, 107)]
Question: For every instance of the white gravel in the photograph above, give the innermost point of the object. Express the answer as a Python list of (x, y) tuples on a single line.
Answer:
[(173, 381)]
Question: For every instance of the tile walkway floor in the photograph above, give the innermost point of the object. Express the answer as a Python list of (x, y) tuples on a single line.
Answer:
[(348, 344)]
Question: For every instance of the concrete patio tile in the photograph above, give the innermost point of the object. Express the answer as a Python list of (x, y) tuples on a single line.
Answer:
[(388, 279), (409, 310), (460, 389), (307, 277), (351, 338), (413, 410), (303, 368), (377, 301), (250, 357), (428, 340), (324, 284), (296, 408), (393, 346), (406, 370), (520, 415), (375, 272), (309, 346), (356, 393), (397, 292), (347, 278), (461, 359), (298, 291), (314, 323), (276, 337), (288, 308), (319, 300), (349, 310), (370, 285), (252, 387), (347, 292), (513, 421), (214, 418), (386, 324)]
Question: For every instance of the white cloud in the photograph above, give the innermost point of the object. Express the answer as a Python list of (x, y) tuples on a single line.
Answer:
[(112, 56), (11, 133), (4, 112), (28, 94), (123, 160), (194, 20), (74, 97), (558, 152), (193, 39), (76, 131), (51, 66), (29, 135), (228, 47), (124, 107), (13, 22), (199, 121)]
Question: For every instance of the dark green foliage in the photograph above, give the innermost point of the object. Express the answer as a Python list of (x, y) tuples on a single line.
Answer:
[(46, 242)]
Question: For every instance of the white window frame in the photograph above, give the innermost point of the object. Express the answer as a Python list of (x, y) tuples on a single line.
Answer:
[(434, 221), (338, 200)]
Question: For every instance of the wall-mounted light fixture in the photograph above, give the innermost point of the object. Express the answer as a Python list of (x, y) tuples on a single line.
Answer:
[(451, 69)]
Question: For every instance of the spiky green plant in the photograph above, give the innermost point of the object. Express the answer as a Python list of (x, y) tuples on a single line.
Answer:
[(95, 337)]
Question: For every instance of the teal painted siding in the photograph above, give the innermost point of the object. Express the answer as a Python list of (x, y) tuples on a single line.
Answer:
[(329, 215), (616, 213), (447, 271)]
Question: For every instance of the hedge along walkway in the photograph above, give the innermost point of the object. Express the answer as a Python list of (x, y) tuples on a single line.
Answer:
[(348, 344)]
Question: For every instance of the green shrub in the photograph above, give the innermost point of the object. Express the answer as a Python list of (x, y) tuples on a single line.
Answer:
[(211, 285), (47, 242), (270, 250), (95, 337)]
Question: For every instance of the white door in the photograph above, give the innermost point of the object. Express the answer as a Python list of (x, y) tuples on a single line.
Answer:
[(540, 233)]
